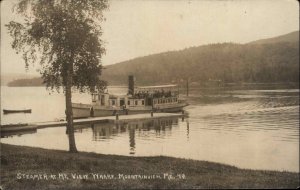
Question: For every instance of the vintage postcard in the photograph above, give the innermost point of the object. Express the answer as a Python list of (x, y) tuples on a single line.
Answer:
[(148, 94)]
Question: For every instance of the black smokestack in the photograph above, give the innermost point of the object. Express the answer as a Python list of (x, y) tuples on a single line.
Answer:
[(131, 84)]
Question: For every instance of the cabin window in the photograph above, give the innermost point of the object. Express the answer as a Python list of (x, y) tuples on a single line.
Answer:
[(113, 102), (94, 98), (143, 102), (102, 100), (122, 102), (128, 102), (136, 102)]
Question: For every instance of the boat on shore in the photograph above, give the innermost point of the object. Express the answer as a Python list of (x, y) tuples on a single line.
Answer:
[(6, 111), (146, 99)]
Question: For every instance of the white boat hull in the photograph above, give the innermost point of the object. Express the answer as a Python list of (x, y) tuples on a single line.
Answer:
[(84, 110)]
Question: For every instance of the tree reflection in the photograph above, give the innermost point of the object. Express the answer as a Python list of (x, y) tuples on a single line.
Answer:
[(132, 140)]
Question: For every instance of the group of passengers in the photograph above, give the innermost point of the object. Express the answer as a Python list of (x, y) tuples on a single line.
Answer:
[(155, 94)]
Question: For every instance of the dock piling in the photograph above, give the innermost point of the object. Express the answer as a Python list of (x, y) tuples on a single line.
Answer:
[(117, 116)]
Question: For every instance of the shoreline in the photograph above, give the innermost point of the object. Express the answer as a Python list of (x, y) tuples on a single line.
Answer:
[(293, 84), (27, 168)]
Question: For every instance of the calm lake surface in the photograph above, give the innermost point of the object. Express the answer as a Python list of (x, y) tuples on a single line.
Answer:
[(254, 129)]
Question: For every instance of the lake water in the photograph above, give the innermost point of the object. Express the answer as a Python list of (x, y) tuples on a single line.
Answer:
[(255, 129)]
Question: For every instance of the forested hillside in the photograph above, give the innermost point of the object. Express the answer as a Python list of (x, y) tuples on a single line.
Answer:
[(227, 62), (273, 60), (290, 37), (8, 77), (36, 81)]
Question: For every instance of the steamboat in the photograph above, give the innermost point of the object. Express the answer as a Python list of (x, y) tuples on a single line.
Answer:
[(144, 99)]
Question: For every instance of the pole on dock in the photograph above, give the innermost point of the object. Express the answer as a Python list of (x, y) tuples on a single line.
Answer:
[(117, 116), (187, 87), (151, 113), (92, 112)]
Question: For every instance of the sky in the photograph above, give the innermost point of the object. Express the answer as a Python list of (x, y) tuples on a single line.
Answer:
[(135, 28)]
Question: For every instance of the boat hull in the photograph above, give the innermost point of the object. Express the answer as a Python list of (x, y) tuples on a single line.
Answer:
[(84, 110)]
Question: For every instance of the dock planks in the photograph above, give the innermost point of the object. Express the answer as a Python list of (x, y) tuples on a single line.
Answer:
[(113, 119)]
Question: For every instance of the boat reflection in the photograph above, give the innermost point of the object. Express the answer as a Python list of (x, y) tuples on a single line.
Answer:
[(141, 128)]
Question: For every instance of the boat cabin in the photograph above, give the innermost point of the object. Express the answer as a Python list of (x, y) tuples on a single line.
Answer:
[(156, 96), (146, 96)]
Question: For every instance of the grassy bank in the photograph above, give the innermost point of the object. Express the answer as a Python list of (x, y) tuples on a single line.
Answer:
[(20, 167)]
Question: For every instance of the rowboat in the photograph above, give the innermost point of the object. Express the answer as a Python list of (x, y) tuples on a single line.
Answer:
[(5, 111)]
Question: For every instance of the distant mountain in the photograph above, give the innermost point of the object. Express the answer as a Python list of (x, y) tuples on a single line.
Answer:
[(266, 62), (9, 77), (262, 61), (36, 81), (290, 37)]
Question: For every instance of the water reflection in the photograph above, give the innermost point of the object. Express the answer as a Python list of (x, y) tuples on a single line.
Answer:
[(17, 133), (187, 129), (105, 131), (246, 128), (132, 140)]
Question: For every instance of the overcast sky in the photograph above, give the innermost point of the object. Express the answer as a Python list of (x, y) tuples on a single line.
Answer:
[(136, 28)]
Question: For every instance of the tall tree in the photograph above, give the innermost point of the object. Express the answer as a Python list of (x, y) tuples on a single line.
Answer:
[(64, 37)]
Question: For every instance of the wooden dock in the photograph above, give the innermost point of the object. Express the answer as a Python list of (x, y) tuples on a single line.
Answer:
[(112, 119)]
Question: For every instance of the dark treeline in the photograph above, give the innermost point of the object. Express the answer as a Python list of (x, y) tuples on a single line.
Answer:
[(37, 81), (274, 60), (226, 63)]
